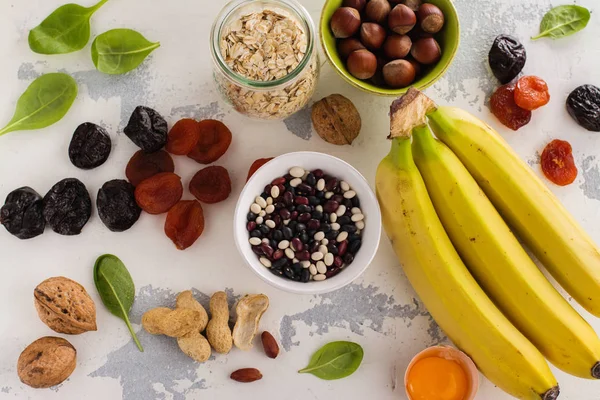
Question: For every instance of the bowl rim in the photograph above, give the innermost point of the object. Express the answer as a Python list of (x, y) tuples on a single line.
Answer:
[(331, 284), (389, 92)]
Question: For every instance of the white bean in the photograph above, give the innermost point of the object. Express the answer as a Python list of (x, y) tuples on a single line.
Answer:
[(332, 217), (266, 262), (305, 264), (325, 242), (344, 185), (335, 226), (321, 267), (319, 277), (275, 192), (269, 200), (270, 223), (295, 182), (328, 195), (321, 184), (260, 201), (319, 208), (289, 253), (262, 213), (323, 249), (297, 172), (357, 217), (284, 244), (360, 225), (342, 236), (349, 194), (259, 220), (328, 259), (312, 269), (341, 210), (270, 209), (319, 236), (316, 256), (356, 210), (254, 241), (255, 208)]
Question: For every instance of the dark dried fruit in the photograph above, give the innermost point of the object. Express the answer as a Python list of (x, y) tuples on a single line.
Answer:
[(144, 165), (21, 213), (147, 129), (185, 223), (183, 137), (156, 195), (503, 106), (116, 205), (256, 165), (90, 146), (215, 139), (583, 105), (211, 184), (67, 207), (507, 58), (558, 164), (531, 93)]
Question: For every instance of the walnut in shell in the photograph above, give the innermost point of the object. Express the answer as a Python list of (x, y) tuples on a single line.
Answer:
[(65, 306), (336, 119), (46, 362)]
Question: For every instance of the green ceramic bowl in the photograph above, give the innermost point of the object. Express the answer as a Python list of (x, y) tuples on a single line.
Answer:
[(448, 37)]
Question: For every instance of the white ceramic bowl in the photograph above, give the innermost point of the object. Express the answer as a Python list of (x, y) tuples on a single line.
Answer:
[(332, 166)]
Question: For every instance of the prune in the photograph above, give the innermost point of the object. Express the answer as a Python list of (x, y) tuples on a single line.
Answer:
[(22, 213), (159, 193), (507, 58), (558, 164), (90, 146), (256, 165), (116, 205), (144, 165), (503, 106), (215, 139), (211, 184), (583, 105), (183, 137), (185, 223), (531, 93), (67, 207), (147, 129)]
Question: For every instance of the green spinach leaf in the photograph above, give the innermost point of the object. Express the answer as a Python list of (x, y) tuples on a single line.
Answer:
[(44, 102), (116, 289), (563, 21), (66, 30), (335, 360), (120, 50)]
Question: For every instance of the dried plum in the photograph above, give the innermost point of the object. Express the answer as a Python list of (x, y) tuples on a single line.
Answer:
[(67, 207), (507, 58), (116, 205), (90, 146), (147, 129), (583, 105), (21, 213)]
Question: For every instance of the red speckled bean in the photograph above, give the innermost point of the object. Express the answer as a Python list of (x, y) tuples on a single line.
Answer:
[(304, 217), (251, 226), (297, 244), (303, 255), (342, 247), (267, 250), (278, 181), (331, 206), (301, 200), (338, 262), (294, 215), (278, 254)]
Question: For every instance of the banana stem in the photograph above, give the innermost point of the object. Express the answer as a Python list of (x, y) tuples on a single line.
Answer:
[(401, 152), (408, 112)]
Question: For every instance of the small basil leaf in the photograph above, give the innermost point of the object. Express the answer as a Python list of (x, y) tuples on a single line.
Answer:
[(120, 50), (66, 30), (563, 21), (44, 102), (335, 360), (116, 289)]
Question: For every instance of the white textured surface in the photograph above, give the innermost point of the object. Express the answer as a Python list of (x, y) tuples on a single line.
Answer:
[(379, 310)]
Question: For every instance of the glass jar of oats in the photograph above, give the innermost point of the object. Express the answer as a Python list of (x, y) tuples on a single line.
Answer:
[(265, 58)]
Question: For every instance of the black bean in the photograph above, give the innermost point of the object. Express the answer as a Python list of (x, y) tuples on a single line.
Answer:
[(311, 179), (313, 225), (279, 206), (344, 220), (296, 278), (300, 227), (273, 243), (297, 267), (325, 228), (303, 208), (348, 258), (277, 235), (304, 238), (292, 191), (331, 235), (288, 234), (305, 275), (264, 229), (353, 237), (277, 272), (355, 202), (288, 272), (251, 216), (350, 228), (354, 246), (256, 233), (314, 247), (304, 188), (317, 215), (280, 263), (314, 200), (348, 204), (291, 209), (257, 250), (265, 195), (320, 195), (338, 198), (332, 248)]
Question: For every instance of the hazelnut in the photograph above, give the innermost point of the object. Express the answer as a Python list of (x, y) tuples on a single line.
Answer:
[(372, 35), (336, 119), (431, 18), (415, 65), (362, 64), (378, 10), (402, 19), (397, 46), (345, 22), (426, 51), (398, 73), (412, 4), (356, 4), (347, 46)]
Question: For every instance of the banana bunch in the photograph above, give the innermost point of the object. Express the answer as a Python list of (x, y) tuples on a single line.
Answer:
[(444, 206)]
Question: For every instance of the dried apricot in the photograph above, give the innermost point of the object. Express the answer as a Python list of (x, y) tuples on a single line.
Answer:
[(503, 106), (215, 139), (144, 165), (256, 165), (185, 223), (183, 137), (159, 193), (211, 184), (558, 164), (531, 93)]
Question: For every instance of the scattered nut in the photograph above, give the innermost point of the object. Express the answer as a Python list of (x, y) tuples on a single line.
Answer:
[(345, 22), (46, 362), (378, 10), (347, 46), (269, 345), (431, 18), (186, 300), (195, 346), (218, 331), (372, 35), (249, 310), (362, 64), (246, 375), (336, 119), (426, 51), (65, 306), (399, 73), (402, 19), (174, 323)]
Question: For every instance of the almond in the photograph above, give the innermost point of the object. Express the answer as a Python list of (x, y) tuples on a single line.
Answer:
[(246, 375), (269, 345)]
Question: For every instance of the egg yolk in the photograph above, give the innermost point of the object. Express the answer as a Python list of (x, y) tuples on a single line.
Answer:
[(435, 378)]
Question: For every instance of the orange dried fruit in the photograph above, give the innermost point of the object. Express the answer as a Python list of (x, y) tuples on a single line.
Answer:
[(256, 165), (503, 106), (531, 93), (157, 194), (183, 137), (144, 165), (184, 223), (211, 184), (558, 164), (214, 141)]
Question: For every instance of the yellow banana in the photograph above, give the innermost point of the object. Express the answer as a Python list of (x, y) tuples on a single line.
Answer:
[(526, 204), (444, 284), (499, 263)]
